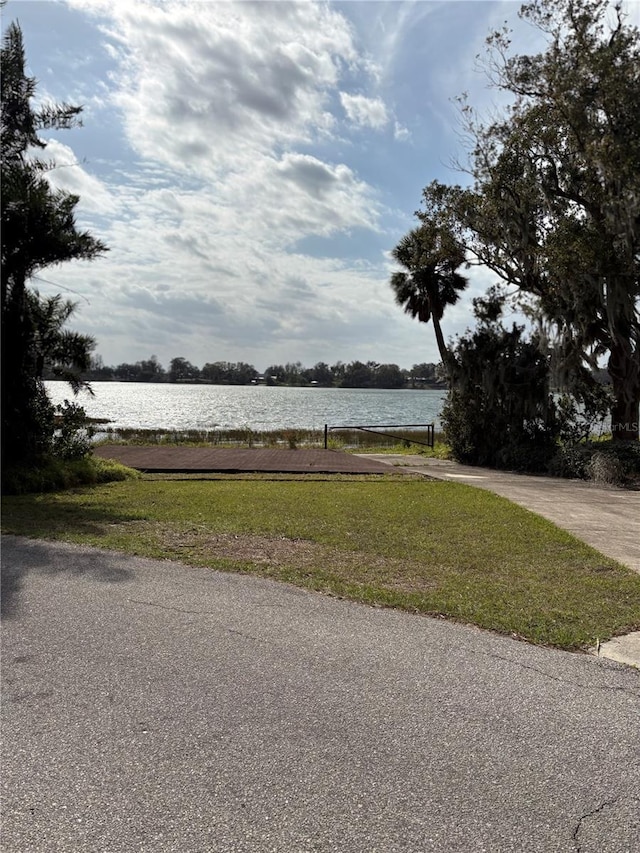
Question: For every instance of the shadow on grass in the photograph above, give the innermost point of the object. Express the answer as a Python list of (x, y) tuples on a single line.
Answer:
[(59, 512), (22, 555)]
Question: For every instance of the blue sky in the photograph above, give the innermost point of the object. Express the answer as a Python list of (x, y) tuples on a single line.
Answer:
[(251, 165)]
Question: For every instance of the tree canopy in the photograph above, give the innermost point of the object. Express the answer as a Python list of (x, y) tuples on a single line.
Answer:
[(38, 231), (554, 204)]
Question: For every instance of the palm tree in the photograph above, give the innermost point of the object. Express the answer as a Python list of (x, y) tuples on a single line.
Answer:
[(65, 353), (431, 282)]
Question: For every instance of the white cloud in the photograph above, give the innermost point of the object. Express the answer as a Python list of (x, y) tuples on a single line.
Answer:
[(365, 112), (218, 97), (401, 133), (69, 174), (280, 201), (238, 158), (206, 87)]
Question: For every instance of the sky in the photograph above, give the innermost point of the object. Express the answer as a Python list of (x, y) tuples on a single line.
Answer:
[(251, 165)]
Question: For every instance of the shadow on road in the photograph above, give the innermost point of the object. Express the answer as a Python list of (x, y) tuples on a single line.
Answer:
[(20, 556)]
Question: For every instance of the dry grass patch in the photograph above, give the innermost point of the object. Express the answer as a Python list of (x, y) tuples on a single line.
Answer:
[(284, 557)]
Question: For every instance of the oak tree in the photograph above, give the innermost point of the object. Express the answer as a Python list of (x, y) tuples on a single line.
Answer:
[(554, 205)]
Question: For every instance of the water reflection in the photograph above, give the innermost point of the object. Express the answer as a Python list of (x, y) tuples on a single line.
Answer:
[(167, 406)]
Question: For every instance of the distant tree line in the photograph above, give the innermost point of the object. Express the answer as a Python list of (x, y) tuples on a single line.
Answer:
[(356, 374)]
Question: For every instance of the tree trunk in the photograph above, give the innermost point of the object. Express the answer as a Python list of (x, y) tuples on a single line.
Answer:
[(625, 378), (445, 355), (624, 418)]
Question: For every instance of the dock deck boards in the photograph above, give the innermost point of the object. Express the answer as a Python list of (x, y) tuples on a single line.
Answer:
[(205, 460)]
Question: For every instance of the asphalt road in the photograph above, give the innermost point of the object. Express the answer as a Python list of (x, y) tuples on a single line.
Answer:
[(149, 706)]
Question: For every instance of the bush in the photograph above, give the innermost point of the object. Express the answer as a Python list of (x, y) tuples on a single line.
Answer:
[(72, 439), (53, 435), (606, 469), (55, 474), (27, 419), (291, 437), (499, 411), (570, 461), (606, 462)]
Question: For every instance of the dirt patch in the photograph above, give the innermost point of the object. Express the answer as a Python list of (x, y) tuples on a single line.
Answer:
[(303, 554), (265, 550)]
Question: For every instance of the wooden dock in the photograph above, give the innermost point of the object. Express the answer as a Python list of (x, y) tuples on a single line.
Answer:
[(208, 460)]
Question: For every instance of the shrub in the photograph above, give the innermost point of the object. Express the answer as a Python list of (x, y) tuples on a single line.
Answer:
[(55, 474), (72, 439), (499, 411), (606, 462), (570, 461), (606, 469)]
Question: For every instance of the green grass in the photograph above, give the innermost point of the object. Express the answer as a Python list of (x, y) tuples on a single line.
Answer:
[(430, 547)]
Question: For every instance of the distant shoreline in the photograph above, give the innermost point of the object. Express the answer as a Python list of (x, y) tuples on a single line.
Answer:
[(419, 387)]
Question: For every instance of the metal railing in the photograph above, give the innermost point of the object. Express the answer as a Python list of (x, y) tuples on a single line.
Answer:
[(375, 430)]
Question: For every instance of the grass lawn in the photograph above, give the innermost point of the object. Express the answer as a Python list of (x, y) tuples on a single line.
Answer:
[(437, 548)]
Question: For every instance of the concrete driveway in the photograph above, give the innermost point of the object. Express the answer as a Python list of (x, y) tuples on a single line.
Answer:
[(150, 706)]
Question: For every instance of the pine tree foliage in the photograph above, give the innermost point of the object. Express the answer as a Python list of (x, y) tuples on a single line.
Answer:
[(38, 230)]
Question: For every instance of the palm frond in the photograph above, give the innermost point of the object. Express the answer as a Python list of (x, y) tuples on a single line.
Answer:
[(430, 282)]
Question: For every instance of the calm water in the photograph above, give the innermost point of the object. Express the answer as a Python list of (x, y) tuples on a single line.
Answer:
[(149, 406)]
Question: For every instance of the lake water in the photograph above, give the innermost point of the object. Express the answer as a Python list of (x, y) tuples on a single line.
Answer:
[(207, 407)]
